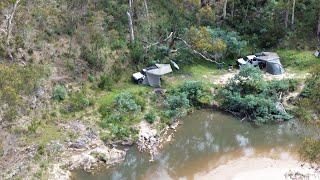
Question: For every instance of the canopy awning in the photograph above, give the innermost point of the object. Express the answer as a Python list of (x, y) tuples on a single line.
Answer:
[(161, 70)]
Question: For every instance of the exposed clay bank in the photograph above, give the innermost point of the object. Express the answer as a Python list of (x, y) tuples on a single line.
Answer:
[(206, 141)]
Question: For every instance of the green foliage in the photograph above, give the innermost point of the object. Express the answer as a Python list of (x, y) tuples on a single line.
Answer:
[(78, 101), (308, 108), (59, 93), (310, 150), (197, 93), (185, 96), (17, 82), (91, 78), (235, 44), (277, 86), (250, 96), (121, 114), (176, 105), (105, 82), (126, 102), (34, 125), (10, 114), (206, 16), (137, 53), (298, 60), (218, 42), (150, 117), (94, 58)]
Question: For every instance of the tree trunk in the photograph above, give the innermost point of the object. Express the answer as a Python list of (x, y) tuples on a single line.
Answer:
[(293, 12), (232, 11), (318, 29), (9, 28), (147, 11), (286, 19), (129, 14), (225, 9)]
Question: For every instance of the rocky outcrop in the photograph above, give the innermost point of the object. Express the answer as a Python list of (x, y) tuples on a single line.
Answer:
[(91, 158), (148, 139)]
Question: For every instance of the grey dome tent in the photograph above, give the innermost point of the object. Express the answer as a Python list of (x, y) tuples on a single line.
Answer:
[(272, 62), (153, 76)]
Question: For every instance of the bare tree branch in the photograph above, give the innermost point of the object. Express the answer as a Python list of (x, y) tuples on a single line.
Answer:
[(9, 28), (9, 22), (160, 41), (293, 12), (3, 31), (225, 9), (199, 53), (147, 10)]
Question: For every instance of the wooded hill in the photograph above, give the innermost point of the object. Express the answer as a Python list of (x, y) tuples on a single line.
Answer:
[(70, 59)]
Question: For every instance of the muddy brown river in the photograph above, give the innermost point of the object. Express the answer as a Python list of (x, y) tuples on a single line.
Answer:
[(206, 140)]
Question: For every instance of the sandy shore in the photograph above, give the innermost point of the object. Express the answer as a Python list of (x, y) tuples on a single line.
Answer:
[(262, 168)]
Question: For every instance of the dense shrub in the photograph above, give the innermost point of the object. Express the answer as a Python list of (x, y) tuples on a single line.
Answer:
[(300, 60), (59, 93), (94, 58), (17, 83), (34, 125), (126, 102), (252, 97), (308, 108), (150, 117), (78, 102), (120, 115), (197, 93), (235, 44), (176, 105), (125, 108), (185, 96), (91, 78), (310, 150), (105, 82), (217, 42), (137, 53)]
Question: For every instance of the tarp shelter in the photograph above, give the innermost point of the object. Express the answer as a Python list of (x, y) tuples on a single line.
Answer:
[(153, 76), (272, 62), (317, 53)]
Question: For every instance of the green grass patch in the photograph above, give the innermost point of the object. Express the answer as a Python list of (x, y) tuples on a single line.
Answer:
[(130, 87), (47, 133), (298, 60)]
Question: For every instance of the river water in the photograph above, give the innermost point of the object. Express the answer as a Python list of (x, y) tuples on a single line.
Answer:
[(206, 140)]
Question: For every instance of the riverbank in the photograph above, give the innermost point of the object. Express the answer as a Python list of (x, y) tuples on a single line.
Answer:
[(150, 137), (207, 140), (85, 147), (262, 168)]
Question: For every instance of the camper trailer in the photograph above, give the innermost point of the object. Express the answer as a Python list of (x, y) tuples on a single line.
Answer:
[(152, 75), (269, 61)]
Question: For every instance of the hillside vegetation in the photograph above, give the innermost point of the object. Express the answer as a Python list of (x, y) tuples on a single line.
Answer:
[(67, 61)]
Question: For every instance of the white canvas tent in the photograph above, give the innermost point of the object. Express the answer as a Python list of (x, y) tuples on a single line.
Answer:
[(153, 76)]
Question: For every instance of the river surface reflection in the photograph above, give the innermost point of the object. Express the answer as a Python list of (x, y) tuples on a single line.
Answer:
[(206, 140)]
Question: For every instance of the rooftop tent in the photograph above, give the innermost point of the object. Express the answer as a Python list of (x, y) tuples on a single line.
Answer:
[(251, 57), (273, 64), (242, 61), (153, 76)]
